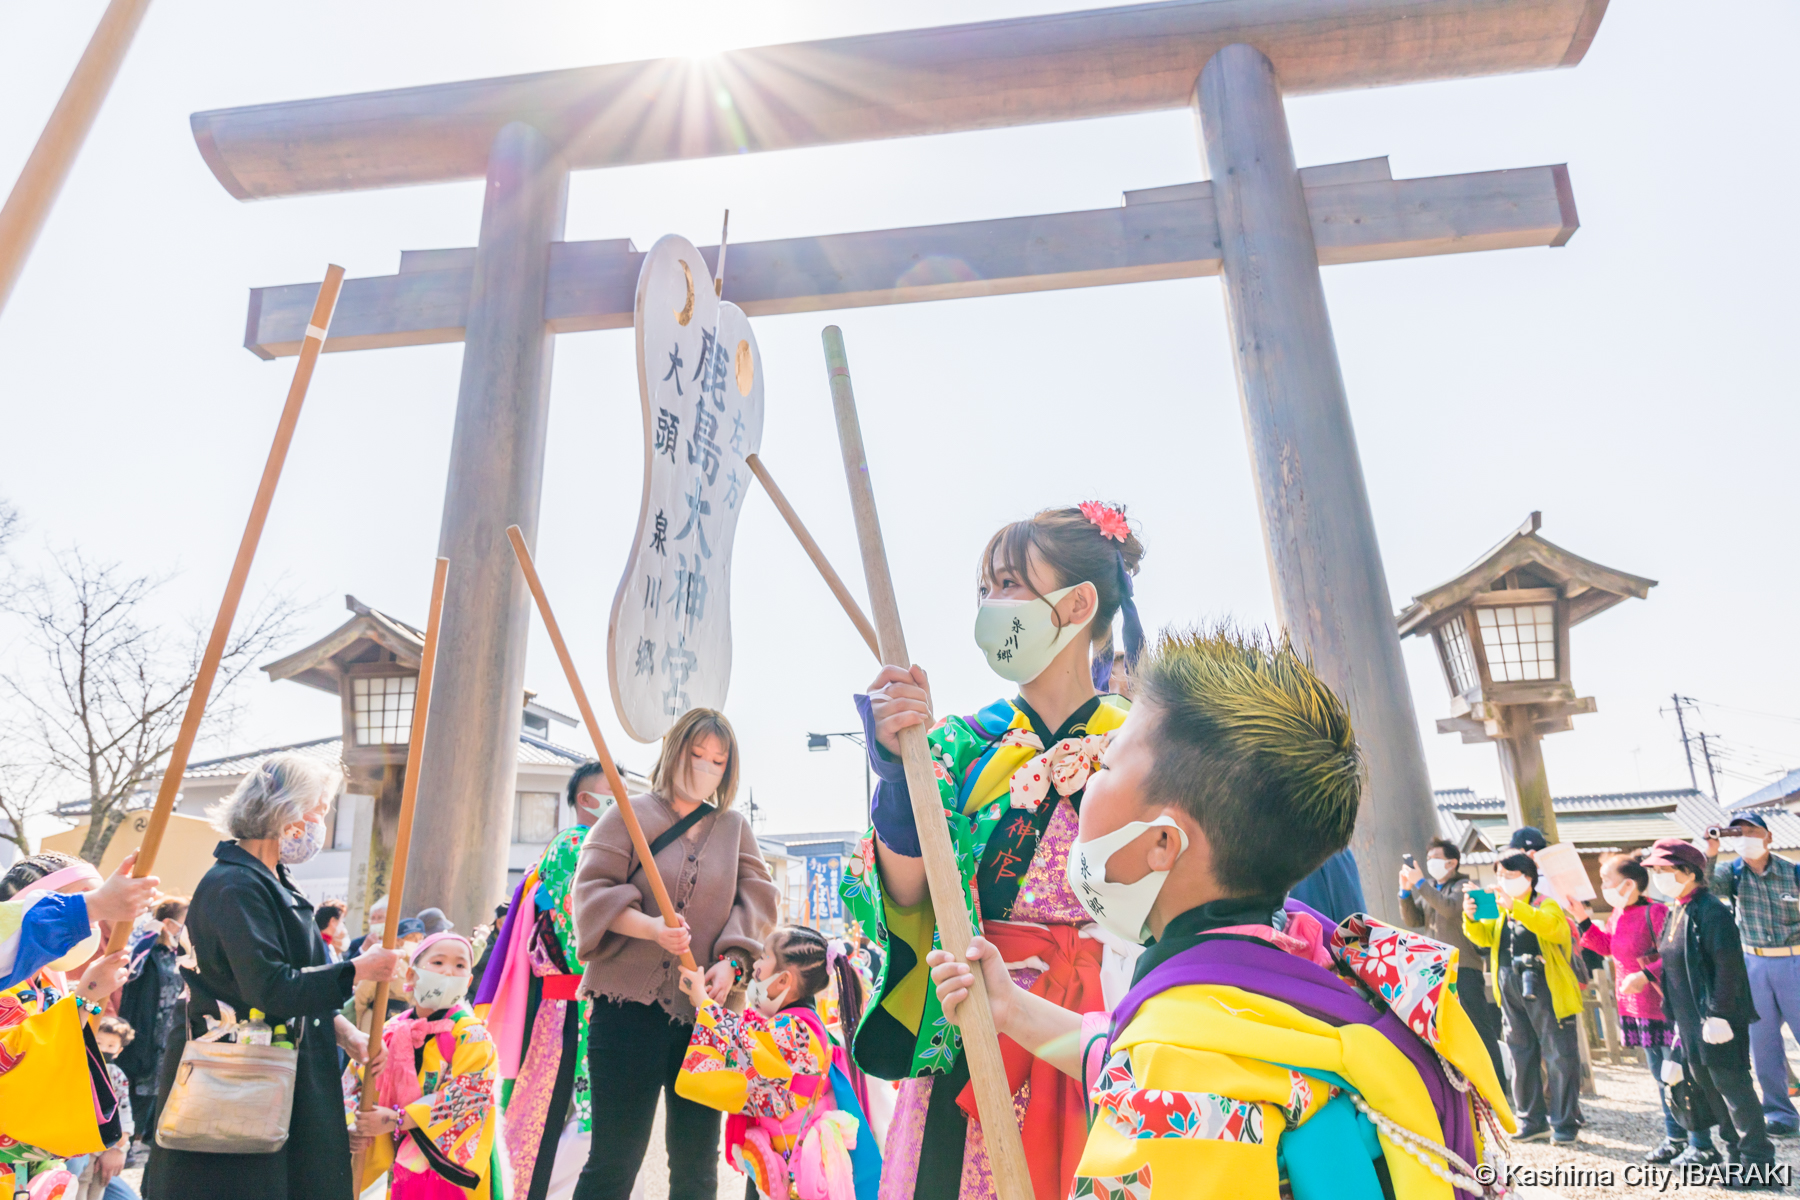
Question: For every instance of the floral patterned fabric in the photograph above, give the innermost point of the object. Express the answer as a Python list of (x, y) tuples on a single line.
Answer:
[(974, 759), (1407, 970), (769, 1067), (556, 878), (1157, 1113), (455, 1112), (1134, 1185)]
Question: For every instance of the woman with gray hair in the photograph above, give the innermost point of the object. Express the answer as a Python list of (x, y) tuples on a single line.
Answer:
[(256, 946)]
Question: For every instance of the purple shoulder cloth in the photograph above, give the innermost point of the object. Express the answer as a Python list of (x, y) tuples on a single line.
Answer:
[(1255, 966)]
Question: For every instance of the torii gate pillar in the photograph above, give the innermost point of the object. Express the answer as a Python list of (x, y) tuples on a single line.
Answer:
[(1324, 563), (495, 480)]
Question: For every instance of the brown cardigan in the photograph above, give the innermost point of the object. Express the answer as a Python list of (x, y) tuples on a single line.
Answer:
[(717, 878)]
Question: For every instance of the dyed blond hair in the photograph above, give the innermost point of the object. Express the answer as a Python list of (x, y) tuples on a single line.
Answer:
[(1256, 748), (692, 727)]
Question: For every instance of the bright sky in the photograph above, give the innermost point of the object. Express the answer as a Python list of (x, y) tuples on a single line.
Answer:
[(1635, 385)]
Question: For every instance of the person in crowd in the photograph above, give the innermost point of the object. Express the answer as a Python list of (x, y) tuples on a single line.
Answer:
[(99, 1178), (408, 933), (434, 921), (329, 917), (1528, 946), (1630, 939), (53, 1106), (539, 1027), (1334, 889), (148, 1003), (1527, 839), (1432, 899), (40, 925), (799, 1111), (376, 923), (1706, 990), (1765, 894), (433, 1124), (1011, 778), (725, 904), (1247, 1060), (256, 945)]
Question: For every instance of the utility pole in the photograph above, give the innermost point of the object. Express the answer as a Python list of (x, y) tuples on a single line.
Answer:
[(1706, 751), (1687, 748)]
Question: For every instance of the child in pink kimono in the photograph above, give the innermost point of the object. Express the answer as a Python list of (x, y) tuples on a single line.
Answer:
[(798, 1126)]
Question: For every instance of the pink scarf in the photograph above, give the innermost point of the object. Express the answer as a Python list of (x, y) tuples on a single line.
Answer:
[(399, 1082)]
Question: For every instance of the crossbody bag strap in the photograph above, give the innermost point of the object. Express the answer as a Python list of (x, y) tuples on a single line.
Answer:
[(672, 834)]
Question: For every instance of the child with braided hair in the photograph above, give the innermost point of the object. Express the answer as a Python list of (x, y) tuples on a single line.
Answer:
[(798, 1125)]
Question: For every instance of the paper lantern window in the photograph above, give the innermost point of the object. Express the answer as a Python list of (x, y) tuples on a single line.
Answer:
[(384, 708), (1519, 642)]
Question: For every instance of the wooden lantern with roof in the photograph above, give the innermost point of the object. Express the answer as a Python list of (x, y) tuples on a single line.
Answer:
[(1501, 629), (371, 663)]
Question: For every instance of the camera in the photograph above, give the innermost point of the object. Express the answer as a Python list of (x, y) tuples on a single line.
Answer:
[(1530, 970)]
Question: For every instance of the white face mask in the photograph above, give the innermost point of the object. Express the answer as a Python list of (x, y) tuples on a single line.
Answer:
[(434, 991), (1733, 845), (1516, 885), (1438, 868), (79, 953), (703, 778), (1615, 898), (1122, 909), (1020, 637), (1666, 884), (756, 995)]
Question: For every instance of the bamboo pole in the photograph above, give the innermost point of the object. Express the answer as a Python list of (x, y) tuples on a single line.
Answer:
[(234, 587), (35, 191), (851, 608), (409, 796), (987, 1071), (613, 780)]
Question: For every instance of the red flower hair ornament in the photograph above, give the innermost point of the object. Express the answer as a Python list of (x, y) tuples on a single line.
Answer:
[(1110, 520)]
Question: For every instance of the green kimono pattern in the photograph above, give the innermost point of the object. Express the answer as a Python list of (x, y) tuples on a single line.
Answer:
[(556, 879), (974, 772)]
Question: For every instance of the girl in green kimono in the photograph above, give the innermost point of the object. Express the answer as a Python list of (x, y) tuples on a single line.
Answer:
[(1010, 778)]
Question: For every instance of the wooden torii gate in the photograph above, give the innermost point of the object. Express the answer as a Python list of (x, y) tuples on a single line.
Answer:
[(1262, 224)]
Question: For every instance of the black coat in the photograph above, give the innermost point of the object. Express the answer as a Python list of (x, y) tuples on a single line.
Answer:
[(1713, 975), (140, 1006), (257, 946)]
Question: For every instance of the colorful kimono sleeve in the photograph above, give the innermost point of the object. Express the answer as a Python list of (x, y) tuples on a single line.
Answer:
[(456, 1121), (904, 1031), (50, 1085), (38, 929), (731, 1058)]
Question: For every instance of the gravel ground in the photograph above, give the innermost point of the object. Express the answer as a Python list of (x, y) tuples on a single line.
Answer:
[(1623, 1123)]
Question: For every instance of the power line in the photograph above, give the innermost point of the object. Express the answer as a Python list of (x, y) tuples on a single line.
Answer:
[(1747, 711)]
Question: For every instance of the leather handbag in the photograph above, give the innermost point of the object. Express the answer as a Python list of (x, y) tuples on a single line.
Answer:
[(229, 1099)]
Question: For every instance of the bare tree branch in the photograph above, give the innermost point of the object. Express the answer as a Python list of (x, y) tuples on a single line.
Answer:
[(105, 693)]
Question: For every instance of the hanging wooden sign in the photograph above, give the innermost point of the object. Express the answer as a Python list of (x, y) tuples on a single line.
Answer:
[(700, 378)]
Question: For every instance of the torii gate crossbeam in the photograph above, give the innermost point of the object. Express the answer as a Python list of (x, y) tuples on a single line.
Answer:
[(1261, 224)]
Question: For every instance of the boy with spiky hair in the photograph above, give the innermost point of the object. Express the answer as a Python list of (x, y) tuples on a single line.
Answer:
[(1260, 1052)]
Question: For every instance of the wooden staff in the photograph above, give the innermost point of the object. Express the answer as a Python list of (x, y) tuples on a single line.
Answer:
[(987, 1071), (234, 588), (613, 780), (22, 219), (409, 795), (851, 608)]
